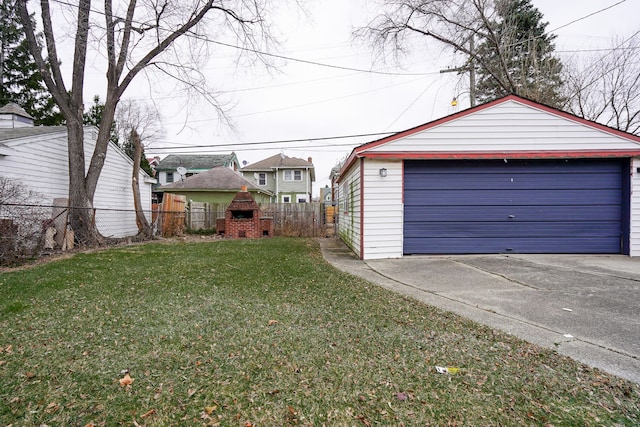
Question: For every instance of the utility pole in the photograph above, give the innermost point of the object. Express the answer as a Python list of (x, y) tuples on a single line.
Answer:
[(470, 67)]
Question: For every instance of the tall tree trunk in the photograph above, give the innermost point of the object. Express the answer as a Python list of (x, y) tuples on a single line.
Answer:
[(141, 220), (81, 215)]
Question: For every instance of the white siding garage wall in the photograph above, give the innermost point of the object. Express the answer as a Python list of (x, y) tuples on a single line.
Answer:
[(40, 163), (349, 208), (634, 226), (383, 210)]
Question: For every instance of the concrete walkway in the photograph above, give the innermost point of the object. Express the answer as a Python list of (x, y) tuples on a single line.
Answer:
[(585, 307)]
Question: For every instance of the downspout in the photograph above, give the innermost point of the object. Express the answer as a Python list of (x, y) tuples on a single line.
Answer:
[(277, 187), (308, 185)]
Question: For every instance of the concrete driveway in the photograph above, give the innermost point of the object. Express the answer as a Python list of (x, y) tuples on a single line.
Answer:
[(584, 306)]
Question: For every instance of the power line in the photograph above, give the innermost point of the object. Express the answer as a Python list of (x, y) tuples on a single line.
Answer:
[(304, 61), (280, 141), (273, 55), (588, 16)]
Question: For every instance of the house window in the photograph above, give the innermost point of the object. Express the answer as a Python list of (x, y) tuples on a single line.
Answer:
[(286, 199), (262, 179), (301, 198), (292, 175), (169, 177)]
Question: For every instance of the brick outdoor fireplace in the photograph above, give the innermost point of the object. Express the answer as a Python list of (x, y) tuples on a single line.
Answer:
[(243, 218)]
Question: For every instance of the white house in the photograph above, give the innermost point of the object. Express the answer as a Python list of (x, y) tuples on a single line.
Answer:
[(36, 157), (509, 176)]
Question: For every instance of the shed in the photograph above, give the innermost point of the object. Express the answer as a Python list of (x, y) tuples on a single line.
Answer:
[(508, 176), (37, 158)]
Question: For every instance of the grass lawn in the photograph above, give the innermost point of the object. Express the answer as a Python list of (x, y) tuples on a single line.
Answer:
[(265, 333)]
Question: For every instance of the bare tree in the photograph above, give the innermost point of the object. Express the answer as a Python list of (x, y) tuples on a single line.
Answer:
[(135, 36), (606, 88), (503, 40), (137, 123)]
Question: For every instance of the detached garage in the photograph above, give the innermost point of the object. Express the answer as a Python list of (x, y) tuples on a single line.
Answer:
[(510, 176)]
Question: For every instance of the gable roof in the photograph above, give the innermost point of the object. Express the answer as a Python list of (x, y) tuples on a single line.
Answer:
[(509, 127), (216, 179), (196, 161), (279, 161), (13, 108)]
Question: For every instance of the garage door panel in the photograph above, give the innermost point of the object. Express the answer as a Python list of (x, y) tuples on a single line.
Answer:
[(491, 167), (558, 230), (519, 213), (496, 245), (513, 181), (525, 206), (490, 197)]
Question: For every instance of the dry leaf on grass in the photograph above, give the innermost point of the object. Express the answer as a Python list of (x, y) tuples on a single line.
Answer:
[(126, 380), (148, 413)]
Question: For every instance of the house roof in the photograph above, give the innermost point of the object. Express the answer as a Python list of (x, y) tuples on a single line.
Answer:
[(196, 161), (13, 108), (216, 179), (10, 134), (280, 161), (26, 132), (455, 136)]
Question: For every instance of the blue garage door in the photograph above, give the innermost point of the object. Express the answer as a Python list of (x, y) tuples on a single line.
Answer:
[(516, 206)]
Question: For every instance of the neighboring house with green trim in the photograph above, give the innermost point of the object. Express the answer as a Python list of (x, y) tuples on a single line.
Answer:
[(217, 185), (290, 179), (167, 168)]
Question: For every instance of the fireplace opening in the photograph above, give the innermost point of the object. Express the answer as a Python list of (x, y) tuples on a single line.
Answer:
[(238, 214)]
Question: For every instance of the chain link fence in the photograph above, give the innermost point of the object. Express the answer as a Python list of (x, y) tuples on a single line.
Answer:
[(28, 231)]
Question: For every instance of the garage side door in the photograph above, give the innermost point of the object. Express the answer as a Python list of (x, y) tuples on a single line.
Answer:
[(517, 206)]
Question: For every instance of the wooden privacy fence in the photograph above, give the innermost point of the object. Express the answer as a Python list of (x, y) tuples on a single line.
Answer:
[(295, 219), (289, 219), (170, 216)]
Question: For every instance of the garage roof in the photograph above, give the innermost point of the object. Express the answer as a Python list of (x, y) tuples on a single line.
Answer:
[(507, 128)]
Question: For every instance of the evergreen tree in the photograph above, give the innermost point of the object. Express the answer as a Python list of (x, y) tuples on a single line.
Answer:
[(20, 81), (518, 56)]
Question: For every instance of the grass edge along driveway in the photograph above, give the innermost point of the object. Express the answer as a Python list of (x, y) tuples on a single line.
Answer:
[(266, 333)]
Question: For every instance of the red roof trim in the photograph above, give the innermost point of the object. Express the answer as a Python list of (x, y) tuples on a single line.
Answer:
[(504, 155)]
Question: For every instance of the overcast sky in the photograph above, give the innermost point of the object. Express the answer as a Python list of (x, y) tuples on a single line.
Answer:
[(303, 102)]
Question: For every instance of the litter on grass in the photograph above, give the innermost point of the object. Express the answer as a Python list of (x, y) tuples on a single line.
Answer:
[(447, 370)]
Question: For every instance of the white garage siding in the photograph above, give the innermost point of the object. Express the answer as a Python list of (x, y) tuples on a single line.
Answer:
[(40, 163), (349, 208), (383, 210), (634, 220), (506, 127)]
